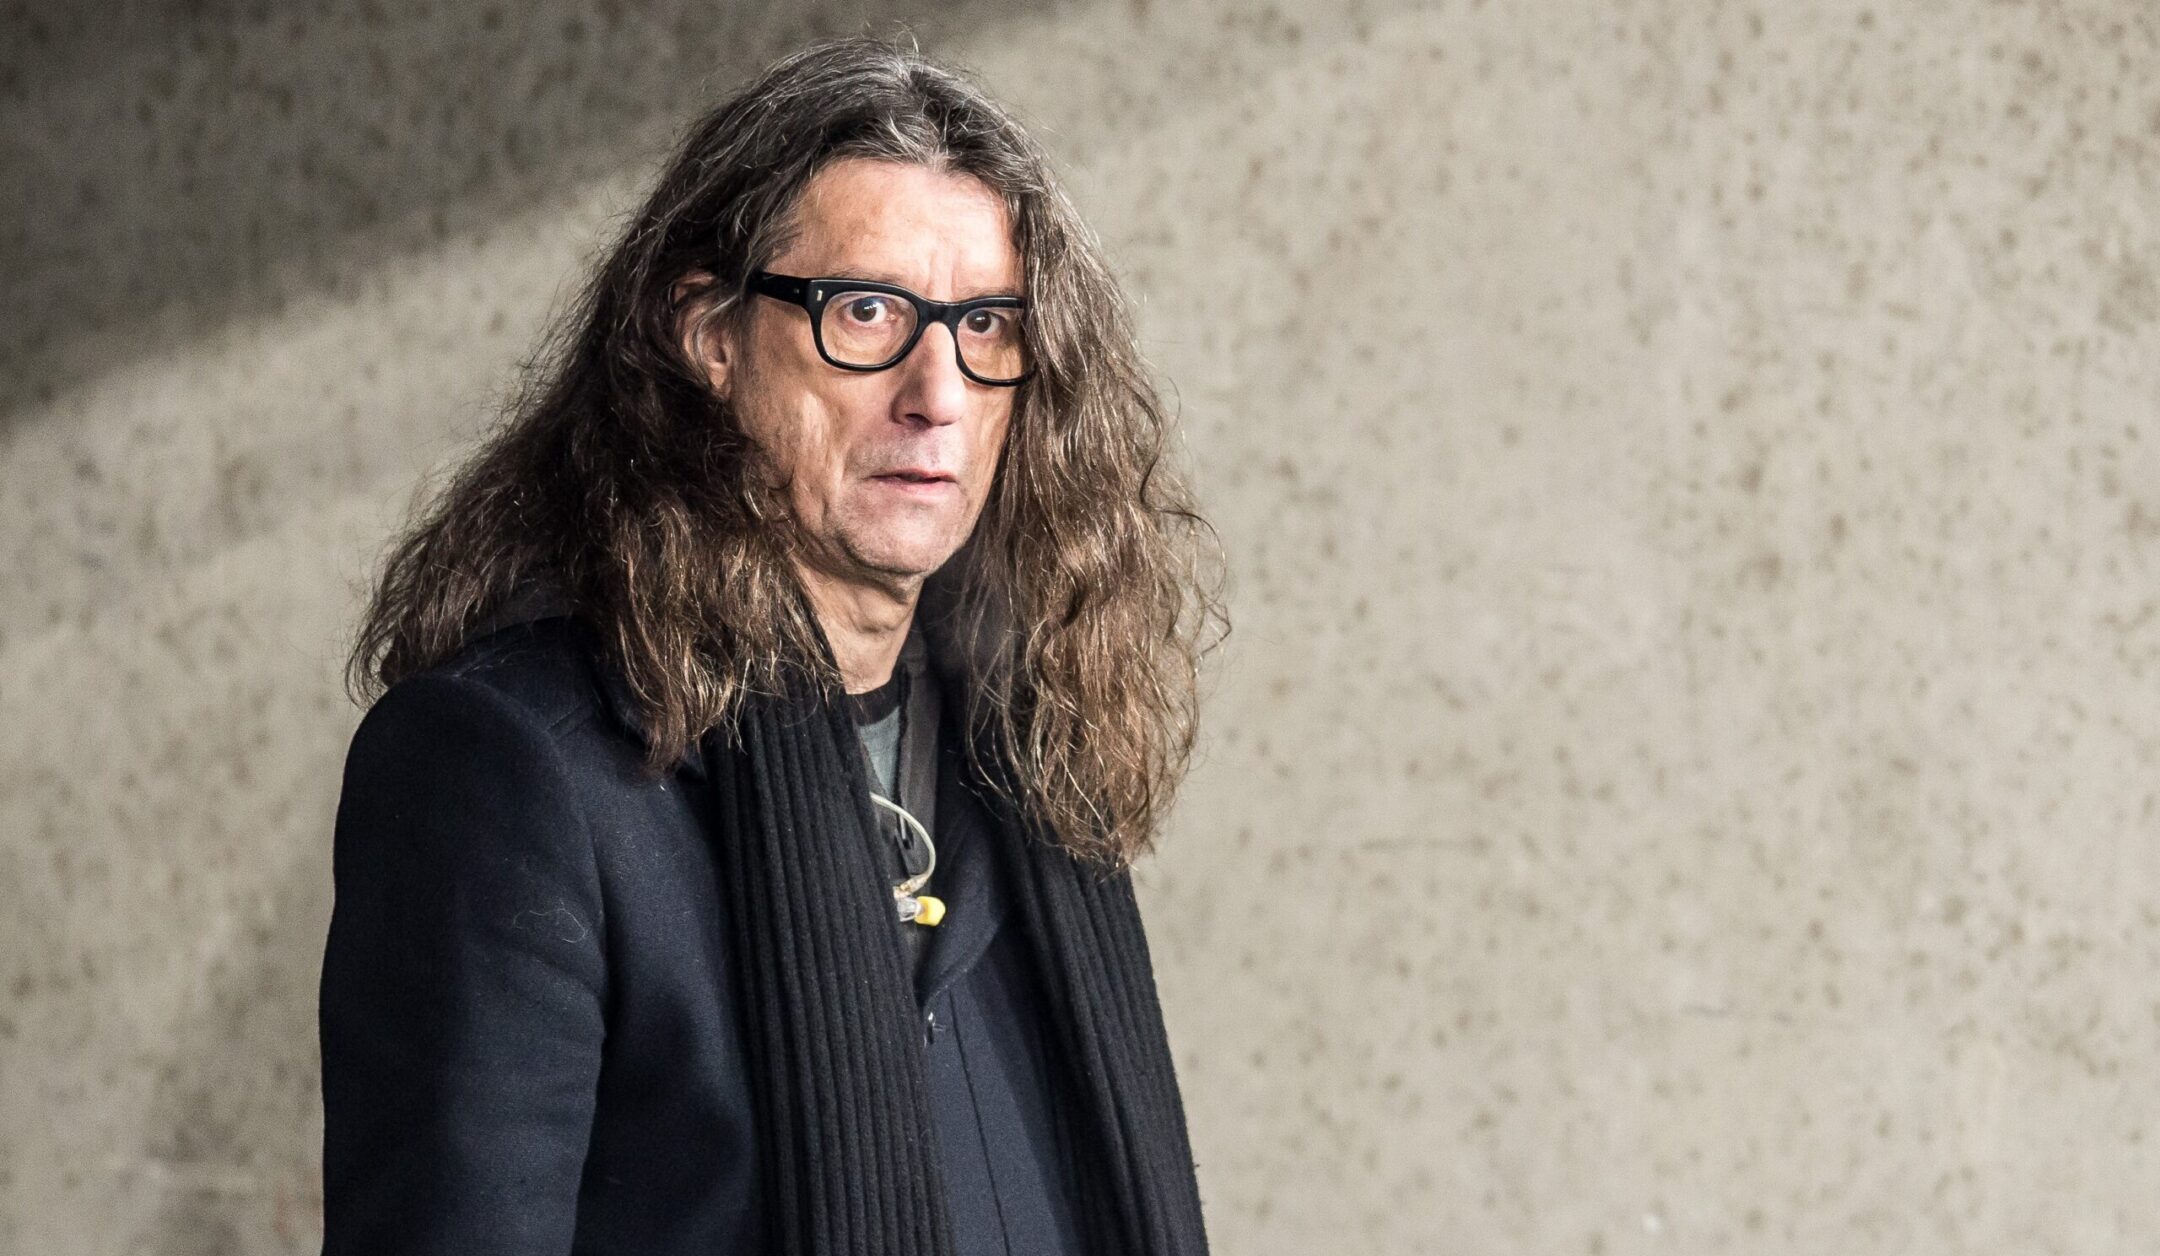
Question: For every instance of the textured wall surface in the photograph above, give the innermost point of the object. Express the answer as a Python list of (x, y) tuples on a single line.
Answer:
[(1683, 776)]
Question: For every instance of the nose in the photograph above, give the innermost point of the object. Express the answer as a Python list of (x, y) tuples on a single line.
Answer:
[(933, 389)]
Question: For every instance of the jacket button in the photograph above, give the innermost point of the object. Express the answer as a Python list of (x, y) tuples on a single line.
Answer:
[(929, 1028)]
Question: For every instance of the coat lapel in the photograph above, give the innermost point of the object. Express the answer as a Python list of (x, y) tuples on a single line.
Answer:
[(975, 901)]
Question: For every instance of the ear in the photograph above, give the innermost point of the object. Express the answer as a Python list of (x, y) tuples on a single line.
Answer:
[(704, 347)]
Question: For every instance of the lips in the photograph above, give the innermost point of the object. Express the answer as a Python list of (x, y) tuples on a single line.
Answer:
[(915, 475)]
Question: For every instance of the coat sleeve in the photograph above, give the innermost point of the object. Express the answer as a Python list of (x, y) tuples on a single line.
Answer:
[(463, 982)]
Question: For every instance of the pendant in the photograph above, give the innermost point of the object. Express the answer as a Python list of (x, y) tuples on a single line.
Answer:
[(923, 909)]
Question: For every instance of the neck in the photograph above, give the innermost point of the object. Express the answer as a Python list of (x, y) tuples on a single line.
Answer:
[(866, 624)]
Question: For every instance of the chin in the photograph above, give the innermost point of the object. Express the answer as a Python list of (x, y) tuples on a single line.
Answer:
[(902, 555)]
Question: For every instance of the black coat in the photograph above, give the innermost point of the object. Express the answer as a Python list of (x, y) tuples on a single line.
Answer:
[(530, 1035)]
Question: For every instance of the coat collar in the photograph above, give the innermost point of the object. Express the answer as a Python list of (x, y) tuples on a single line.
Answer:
[(538, 600), (975, 900)]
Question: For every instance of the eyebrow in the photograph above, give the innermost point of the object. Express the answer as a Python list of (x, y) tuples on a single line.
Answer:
[(882, 276)]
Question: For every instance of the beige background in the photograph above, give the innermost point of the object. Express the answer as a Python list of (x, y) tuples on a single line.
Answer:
[(1683, 776)]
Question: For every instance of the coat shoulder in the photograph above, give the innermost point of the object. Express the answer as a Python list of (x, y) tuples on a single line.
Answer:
[(551, 672), (531, 694), (544, 667)]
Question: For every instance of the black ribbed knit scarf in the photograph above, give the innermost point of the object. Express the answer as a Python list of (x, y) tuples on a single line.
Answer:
[(835, 1053)]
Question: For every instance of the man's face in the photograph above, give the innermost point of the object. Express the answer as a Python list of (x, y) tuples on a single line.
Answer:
[(839, 436)]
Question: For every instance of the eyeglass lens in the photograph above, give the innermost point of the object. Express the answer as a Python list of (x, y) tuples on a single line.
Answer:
[(869, 328)]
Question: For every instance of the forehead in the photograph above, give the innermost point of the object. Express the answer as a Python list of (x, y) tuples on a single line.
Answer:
[(927, 229)]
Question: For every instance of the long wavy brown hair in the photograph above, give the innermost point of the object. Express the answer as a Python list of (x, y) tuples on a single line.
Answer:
[(1088, 593)]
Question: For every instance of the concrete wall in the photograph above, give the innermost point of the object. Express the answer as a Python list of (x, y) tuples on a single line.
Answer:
[(1682, 777)]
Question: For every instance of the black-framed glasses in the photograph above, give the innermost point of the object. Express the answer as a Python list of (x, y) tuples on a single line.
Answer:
[(863, 325)]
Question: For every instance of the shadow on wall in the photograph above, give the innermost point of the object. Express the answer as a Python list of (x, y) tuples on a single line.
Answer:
[(170, 168), (165, 176)]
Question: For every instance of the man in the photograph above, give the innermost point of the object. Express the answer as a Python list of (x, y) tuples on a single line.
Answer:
[(736, 857)]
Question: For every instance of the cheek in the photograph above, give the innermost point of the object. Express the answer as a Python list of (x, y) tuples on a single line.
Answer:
[(990, 445), (991, 433), (784, 414), (818, 466), (798, 435)]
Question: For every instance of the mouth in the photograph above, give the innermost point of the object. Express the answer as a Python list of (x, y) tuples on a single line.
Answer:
[(911, 477)]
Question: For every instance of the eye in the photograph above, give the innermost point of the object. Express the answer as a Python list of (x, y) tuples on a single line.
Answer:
[(867, 309), (987, 322)]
